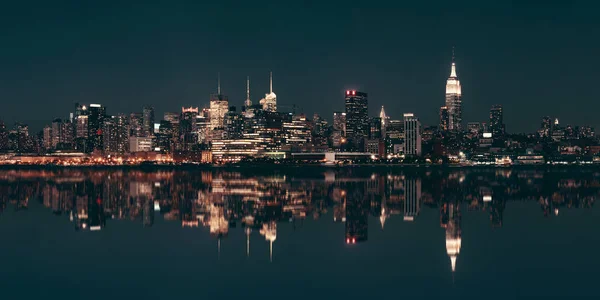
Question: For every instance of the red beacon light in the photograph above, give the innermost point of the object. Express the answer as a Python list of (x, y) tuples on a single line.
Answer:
[(353, 92)]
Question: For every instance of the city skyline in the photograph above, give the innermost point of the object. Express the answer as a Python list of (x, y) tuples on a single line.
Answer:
[(496, 45)]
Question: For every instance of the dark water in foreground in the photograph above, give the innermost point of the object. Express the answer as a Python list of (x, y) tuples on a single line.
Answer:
[(354, 234)]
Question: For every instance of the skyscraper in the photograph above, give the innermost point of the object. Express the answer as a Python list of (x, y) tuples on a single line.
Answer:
[(357, 118), (339, 122), (116, 134), (412, 135), (269, 103), (136, 124), (148, 121), (496, 121), (219, 106), (444, 118), (454, 99), (95, 125)]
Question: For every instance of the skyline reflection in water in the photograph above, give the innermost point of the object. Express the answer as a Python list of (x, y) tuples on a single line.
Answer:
[(361, 205)]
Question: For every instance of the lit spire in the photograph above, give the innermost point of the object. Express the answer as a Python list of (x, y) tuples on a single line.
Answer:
[(382, 113), (271, 82), (453, 71), (453, 263), (248, 101), (271, 251), (219, 83), (248, 231)]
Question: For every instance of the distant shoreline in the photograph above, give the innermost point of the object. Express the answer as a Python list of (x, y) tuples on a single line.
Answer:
[(275, 167)]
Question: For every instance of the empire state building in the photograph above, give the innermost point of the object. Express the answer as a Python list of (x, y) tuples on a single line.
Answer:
[(453, 100)]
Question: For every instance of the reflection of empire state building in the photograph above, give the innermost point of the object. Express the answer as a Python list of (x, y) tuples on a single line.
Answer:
[(451, 221), (269, 102), (452, 118)]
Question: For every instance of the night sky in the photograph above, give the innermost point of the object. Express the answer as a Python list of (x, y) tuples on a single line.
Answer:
[(535, 58)]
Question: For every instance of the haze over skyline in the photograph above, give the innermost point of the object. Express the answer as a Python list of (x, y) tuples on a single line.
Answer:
[(535, 59)]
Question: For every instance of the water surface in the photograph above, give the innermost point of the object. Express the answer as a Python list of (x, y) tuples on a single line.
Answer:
[(356, 234)]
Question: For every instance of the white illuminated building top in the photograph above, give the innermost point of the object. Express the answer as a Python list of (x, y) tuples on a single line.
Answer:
[(453, 84), (269, 102), (269, 230)]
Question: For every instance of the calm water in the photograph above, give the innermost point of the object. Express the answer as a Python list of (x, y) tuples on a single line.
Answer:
[(314, 234)]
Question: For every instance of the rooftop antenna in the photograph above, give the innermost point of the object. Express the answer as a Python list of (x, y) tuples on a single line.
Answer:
[(452, 53), (271, 82), (219, 83), (248, 87)]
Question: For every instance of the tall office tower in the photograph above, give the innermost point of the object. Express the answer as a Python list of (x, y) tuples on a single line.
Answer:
[(269, 102), (96, 114), (234, 124), (148, 121), (121, 122), (320, 131), (412, 198), (188, 135), (3, 136), (47, 144), (164, 136), (444, 119), (109, 132), (339, 122), (357, 118), (116, 134), (376, 129), (56, 132), (66, 134), (496, 121), (384, 121), (546, 127), (81, 126), (412, 135), (454, 99), (136, 124), (219, 106)]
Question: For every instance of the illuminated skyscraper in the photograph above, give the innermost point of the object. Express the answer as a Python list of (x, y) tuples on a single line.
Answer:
[(412, 135), (148, 121), (96, 117), (339, 122), (454, 99), (116, 134), (47, 132), (269, 102), (444, 118), (357, 118), (219, 106), (496, 121)]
